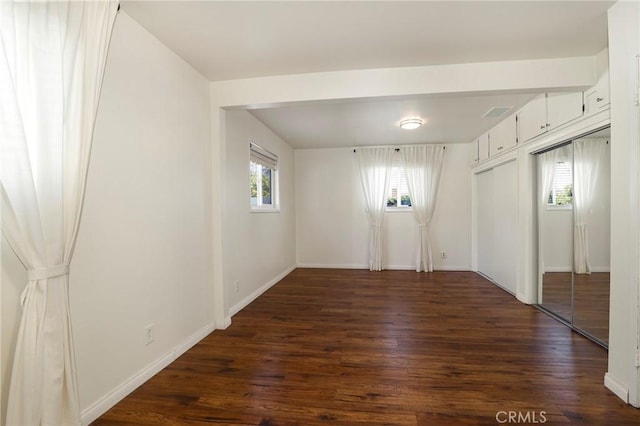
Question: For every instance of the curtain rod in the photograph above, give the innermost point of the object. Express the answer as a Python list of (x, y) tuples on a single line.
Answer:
[(398, 149)]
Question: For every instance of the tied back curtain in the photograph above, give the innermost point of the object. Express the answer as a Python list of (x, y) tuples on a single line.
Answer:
[(422, 167), (587, 156), (374, 168), (52, 59)]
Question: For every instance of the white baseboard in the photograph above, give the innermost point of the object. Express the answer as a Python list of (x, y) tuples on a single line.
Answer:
[(435, 268), (557, 269), (616, 387), (399, 267), (102, 405), (225, 324), (453, 268), (387, 267), (254, 295), (600, 269), (333, 266)]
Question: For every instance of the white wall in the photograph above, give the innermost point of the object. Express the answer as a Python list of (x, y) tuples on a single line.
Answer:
[(145, 240), (600, 218), (259, 248), (331, 225), (624, 44)]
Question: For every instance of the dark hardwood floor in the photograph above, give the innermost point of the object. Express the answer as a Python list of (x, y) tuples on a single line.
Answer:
[(352, 347)]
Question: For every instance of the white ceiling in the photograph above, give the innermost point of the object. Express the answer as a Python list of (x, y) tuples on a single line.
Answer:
[(448, 119), (240, 39)]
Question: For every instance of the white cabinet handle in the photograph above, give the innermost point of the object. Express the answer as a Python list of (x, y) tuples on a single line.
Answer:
[(499, 148), (599, 99), (543, 127)]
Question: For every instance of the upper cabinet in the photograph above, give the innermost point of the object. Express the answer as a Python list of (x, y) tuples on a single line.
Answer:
[(503, 136), (546, 112), (532, 118), (473, 152), (597, 97), (562, 108), (483, 146)]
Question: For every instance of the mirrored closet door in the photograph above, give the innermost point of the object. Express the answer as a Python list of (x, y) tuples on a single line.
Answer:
[(573, 200)]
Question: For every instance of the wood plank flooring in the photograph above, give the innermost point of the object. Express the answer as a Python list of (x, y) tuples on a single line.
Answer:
[(352, 347)]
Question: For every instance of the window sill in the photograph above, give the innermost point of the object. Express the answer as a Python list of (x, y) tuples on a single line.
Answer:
[(398, 209), (552, 207), (264, 210)]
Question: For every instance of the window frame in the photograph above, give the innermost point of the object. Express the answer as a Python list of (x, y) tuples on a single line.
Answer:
[(397, 165), (554, 192), (264, 158)]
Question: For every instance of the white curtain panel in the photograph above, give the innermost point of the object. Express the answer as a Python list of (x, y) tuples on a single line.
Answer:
[(374, 167), (422, 168), (587, 156), (546, 169), (52, 59)]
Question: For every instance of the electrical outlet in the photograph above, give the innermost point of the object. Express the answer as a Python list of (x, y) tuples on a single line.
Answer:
[(236, 286), (148, 334), (443, 255)]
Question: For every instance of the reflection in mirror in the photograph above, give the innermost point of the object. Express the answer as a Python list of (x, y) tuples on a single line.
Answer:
[(592, 180), (573, 199), (555, 211)]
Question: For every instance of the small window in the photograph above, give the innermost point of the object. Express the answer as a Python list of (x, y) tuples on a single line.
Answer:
[(398, 196), (561, 194), (263, 178)]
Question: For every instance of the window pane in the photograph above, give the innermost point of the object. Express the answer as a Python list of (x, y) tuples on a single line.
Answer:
[(253, 182), (262, 184), (562, 191), (266, 185), (398, 195)]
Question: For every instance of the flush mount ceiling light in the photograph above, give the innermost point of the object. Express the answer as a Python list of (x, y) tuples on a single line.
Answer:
[(410, 123)]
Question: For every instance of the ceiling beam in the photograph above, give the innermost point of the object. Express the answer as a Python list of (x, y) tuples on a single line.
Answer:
[(529, 76)]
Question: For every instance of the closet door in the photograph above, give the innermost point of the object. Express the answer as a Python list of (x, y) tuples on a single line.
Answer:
[(574, 201), (505, 226), (592, 166), (485, 205)]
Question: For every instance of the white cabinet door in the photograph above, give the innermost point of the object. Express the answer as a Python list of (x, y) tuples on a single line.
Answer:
[(532, 119), (562, 108), (597, 97), (483, 146), (503, 136), (473, 152)]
